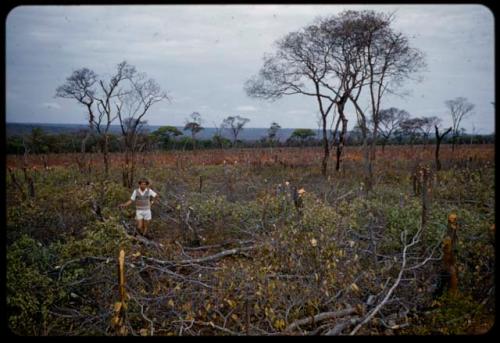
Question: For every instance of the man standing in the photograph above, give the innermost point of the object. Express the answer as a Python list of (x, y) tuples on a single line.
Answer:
[(142, 197)]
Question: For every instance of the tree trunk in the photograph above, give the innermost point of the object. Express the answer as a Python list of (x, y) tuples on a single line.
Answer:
[(424, 184), (452, 229), (449, 273), (366, 157), (340, 146), (373, 146), (324, 162), (81, 158), (132, 171), (369, 180), (105, 151), (439, 138), (129, 166), (369, 165), (438, 163)]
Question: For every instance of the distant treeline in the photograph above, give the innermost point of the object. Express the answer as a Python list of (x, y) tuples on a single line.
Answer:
[(41, 142)]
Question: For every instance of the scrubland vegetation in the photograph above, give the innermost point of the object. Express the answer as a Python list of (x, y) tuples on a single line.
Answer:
[(254, 242)]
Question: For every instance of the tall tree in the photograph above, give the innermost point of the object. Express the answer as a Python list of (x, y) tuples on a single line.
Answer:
[(332, 61), (298, 66), (139, 94), (459, 109), (235, 125), (100, 98), (346, 71), (388, 61)]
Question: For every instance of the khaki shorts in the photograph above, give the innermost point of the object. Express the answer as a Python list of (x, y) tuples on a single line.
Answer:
[(143, 214)]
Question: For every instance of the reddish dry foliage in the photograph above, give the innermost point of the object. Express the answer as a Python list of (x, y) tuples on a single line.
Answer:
[(292, 157)]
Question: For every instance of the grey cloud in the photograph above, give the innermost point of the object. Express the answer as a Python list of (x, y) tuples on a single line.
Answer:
[(246, 108), (203, 54), (51, 105)]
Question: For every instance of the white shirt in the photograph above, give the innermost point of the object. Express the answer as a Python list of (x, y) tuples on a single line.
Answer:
[(134, 194)]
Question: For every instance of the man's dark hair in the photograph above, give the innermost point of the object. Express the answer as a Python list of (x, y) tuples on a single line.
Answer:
[(146, 181)]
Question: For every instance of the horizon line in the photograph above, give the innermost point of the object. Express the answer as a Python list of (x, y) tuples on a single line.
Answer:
[(209, 127), (246, 127)]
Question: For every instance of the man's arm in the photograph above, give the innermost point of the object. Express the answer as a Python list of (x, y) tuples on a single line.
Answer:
[(126, 203), (132, 199)]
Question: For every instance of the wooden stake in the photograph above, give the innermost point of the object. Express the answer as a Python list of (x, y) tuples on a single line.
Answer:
[(120, 307), (121, 266), (449, 265), (452, 229)]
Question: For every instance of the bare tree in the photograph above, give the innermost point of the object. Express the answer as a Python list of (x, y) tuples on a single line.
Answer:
[(235, 125), (80, 86), (319, 61), (100, 99), (133, 105), (332, 61), (389, 121), (347, 69), (459, 108), (298, 66), (388, 61)]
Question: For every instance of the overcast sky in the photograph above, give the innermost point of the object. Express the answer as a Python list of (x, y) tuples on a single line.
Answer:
[(203, 54)]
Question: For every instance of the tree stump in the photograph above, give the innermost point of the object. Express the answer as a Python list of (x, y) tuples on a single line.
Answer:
[(120, 307)]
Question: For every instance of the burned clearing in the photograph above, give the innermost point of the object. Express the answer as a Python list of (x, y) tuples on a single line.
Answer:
[(242, 243)]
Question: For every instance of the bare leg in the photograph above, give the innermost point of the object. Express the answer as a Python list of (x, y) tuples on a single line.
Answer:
[(145, 224), (139, 225)]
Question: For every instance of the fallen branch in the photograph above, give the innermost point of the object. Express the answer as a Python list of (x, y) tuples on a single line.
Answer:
[(182, 277), (206, 247), (218, 256), (209, 258), (318, 329), (377, 308), (141, 239), (320, 317), (337, 329), (146, 241)]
